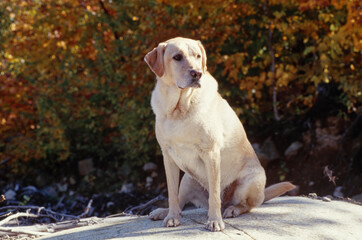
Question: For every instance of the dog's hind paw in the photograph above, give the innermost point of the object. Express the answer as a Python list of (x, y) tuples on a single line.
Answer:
[(234, 211), (158, 214), (215, 225)]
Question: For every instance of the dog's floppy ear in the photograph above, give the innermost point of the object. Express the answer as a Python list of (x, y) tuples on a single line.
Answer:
[(203, 52), (154, 59)]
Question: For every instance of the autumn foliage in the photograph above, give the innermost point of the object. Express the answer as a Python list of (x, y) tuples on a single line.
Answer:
[(73, 83)]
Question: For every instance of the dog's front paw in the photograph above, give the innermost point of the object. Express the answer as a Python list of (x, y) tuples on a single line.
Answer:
[(215, 225), (159, 214), (172, 220)]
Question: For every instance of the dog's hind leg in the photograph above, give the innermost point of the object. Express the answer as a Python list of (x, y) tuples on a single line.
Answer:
[(249, 193), (190, 191)]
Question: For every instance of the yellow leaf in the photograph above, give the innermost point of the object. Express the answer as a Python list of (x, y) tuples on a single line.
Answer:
[(13, 27), (262, 77), (279, 72), (271, 75)]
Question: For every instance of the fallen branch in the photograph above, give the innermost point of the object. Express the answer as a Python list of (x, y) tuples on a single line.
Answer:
[(67, 225), (122, 214), (144, 207), (39, 209), (59, 202), (10, 216), (86, 210), (19, 230), (329, 173), (46, 229), (17, 215), (40, 230), (5, 214)]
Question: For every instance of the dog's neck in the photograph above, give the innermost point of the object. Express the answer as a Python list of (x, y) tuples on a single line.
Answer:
[(172, 102), (169, 101)]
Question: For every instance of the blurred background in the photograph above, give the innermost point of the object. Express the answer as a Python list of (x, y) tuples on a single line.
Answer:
[(75, 115)]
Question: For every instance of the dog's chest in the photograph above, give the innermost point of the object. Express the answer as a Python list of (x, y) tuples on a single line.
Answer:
[(186, 157), (181, 141), (178, 130)]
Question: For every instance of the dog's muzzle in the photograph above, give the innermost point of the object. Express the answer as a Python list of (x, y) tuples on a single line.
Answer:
[(193, 80)]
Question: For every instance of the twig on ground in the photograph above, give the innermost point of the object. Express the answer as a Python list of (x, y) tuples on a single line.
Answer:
[(118, 215), (46, 229), (9, 213), (17, 215), (19, 230), (68, 225), (329, 173), (5, 214), (144, 207), (86, 210), (41, 230), (55, 215), (59, 202)]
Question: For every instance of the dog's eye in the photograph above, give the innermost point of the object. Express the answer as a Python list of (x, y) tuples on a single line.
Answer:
[(177, 57)]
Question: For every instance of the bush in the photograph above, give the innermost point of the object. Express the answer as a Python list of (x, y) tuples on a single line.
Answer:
[(74, 84)]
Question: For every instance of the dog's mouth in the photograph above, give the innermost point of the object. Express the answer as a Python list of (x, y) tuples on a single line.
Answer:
[(193, 84)]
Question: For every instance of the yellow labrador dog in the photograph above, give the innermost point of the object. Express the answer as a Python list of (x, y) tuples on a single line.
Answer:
[(200, 134)]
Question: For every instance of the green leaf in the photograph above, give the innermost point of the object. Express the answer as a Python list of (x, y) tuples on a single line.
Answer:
[(308, 50)]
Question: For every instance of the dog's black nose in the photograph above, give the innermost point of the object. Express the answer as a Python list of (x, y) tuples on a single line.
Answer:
[(195, 74)]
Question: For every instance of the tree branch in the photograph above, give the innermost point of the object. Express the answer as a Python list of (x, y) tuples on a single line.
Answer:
[(272, 55), (105, 10)]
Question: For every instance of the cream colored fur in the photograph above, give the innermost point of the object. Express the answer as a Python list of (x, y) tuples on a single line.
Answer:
[(201, 135)]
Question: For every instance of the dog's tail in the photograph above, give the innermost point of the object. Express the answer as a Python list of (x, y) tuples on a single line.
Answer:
[(276, 190)]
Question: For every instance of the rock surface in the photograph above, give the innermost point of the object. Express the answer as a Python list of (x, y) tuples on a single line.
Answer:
[(280, 218), (293, 149)]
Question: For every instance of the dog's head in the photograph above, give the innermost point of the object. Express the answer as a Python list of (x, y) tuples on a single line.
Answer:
[(178, 61)]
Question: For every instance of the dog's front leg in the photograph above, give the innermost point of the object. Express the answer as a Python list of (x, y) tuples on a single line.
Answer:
[(172, 176), (212, 162)]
